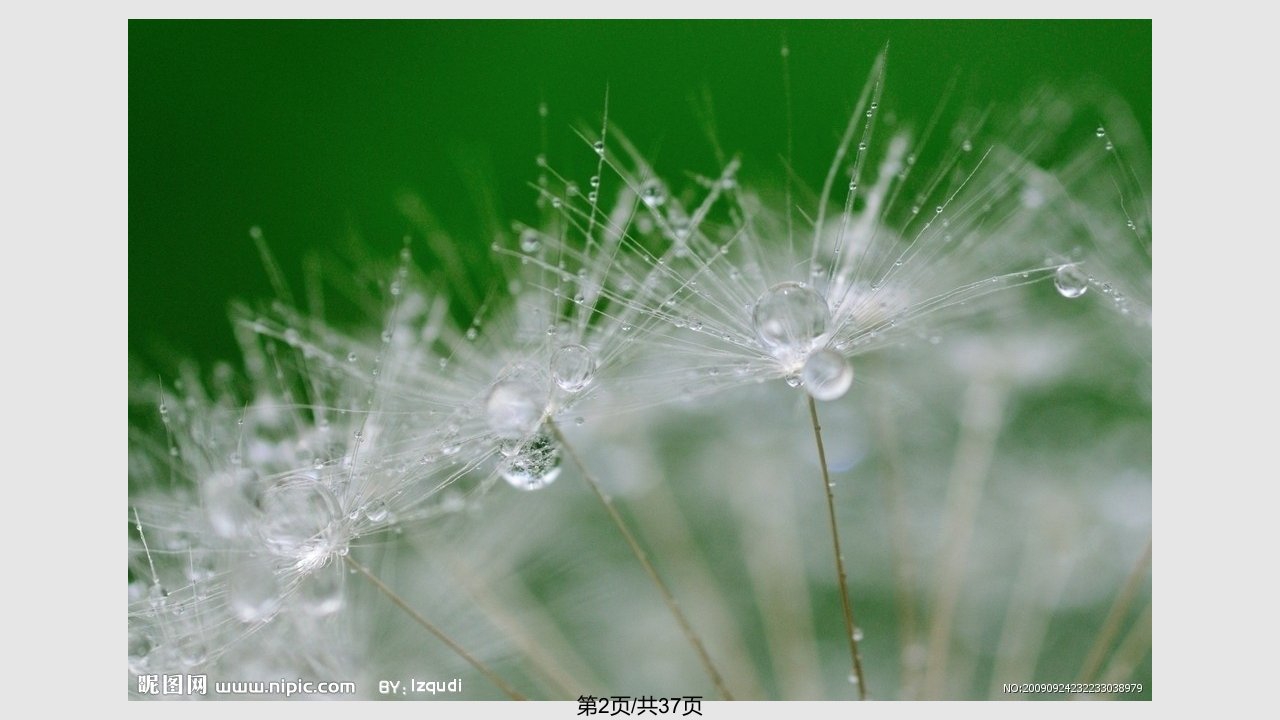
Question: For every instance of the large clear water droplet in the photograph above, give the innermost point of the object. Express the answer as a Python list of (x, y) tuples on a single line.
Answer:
[(827, 375), (252, 590), (320, 593), (788, 317), (535, 465), (1071, 281), (228, 500), (515, 405), (299, 519), (573, 367)]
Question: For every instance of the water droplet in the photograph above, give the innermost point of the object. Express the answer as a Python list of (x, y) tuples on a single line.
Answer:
[(472, 333), (599, 147), (320, 593), (594, 181), (788, 317), (1109, 146), (967, 146), (573, 367), (652, 193), (695, 324), (937, 210), (299, 519), (853, 679), (252, 590), (1100, 131), (535, 465), (1070, 281), (515, 405), (376, 511), (351, 357), (793, 380), (857, 634), (192, 651), (827, 375), (862, 146)]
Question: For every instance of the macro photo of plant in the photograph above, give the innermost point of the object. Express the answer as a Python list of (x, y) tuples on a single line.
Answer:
[(638, 363)]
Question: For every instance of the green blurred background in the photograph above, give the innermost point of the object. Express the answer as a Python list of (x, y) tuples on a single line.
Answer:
[(311, 130)]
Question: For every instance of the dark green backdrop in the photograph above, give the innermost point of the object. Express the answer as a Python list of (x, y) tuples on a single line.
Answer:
[(311, 129)]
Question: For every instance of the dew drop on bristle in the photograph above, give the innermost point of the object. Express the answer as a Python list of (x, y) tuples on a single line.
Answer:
[(788, 317), (793, 380), (376, 511), (515, 406), (535, 465), (599, 147), (573, 367), (653, 194), (1070, 281), (827, 375)]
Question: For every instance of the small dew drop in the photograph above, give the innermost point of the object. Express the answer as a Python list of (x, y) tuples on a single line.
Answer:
[(573, 367), (529, 241), (1070, 281), (967, 146), (351, 357), (375, 511), (793, 380), (1101, 131), (599, 147)]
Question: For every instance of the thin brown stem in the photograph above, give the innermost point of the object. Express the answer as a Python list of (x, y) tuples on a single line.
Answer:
[(845, 602), (639, 552), (1111, 625), (400, 603)]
